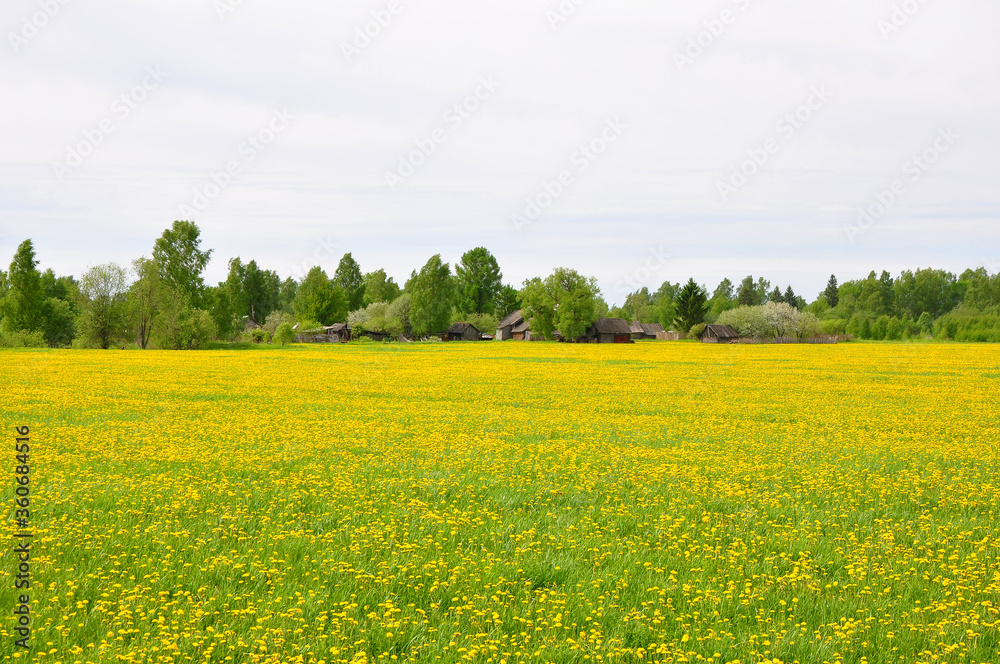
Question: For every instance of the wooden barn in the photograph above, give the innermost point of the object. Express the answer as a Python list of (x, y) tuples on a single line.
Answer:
[(609, 331), (461, 332), (645, 330), (505, 328), (340, 330), (719, 334)]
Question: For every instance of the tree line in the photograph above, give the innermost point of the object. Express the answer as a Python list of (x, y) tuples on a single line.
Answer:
[(162, 301)]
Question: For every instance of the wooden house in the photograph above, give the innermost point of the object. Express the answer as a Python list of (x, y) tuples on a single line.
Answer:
[(340, 330), (609, 331), (461, 332), (719, 334), (505, 328), (637, 331)]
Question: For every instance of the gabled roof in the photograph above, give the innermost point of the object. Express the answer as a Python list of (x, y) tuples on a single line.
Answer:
[(523, 326), (460, 328), (337, 327), (612, 326), (721, 332), (511, 319), (652, 328), (636, 327)]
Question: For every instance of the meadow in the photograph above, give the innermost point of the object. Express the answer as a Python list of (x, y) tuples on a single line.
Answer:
[(509, 502)]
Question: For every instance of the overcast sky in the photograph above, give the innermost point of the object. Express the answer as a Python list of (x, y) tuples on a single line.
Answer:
[(633, 141)]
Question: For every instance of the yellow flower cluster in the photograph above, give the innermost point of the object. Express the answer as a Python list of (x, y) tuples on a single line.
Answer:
[(510, 502)]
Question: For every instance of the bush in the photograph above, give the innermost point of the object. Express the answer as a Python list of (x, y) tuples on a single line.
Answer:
[(275, 320), (696, 330), (284, 334), (22, 339), (258, 336)]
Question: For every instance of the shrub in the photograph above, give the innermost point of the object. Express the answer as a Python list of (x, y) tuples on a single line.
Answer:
[(259, 336), (284, 334), (696, 330), (22, 339)]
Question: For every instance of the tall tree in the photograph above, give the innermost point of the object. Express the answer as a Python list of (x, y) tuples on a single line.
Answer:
[(24, 304), (564, 301), (432, 293), (832, 291), (752, 293), (505, 301), (692, 305), (379, 288), (104, 305), (287, 296), (318, 299), (792, 299), (351, 281), (181, 261), (146, 298), (723, 298), (478, 280)]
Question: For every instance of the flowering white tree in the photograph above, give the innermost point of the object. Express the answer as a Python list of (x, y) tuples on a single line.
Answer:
[(781, 317)]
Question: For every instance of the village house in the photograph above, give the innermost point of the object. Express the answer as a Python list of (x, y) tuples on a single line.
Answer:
[(461, 332), (505, 328), (341, 331), (719, 334), (609, 331)]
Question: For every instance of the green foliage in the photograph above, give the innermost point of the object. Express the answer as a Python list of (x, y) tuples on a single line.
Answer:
[(431, 291), (477, 281), (379, 288), (747, 321), (969, 324), (181, 261), (696, 330), (692, 305), (349, 279), (318, 299), (752, 293), (105, 316), (146, 298), (181, 327), (398, 314), (564, 301), (832, 292), (286, 295), (485, 323), (506, 301), (723, 299), (258, 335), (284, 334), (22, 339), (23, 305)]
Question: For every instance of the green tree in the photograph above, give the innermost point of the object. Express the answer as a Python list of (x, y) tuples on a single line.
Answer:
[(832, 292), (506, 301), (284, 334), (104, 317), (752, 293), (349, 279), (181, 261), (692, 305), (478, 280), (379, 288), (432, 293), (146, 298), (287, 295), (564, 301), (723, 299), (24, 304), (318, 299)]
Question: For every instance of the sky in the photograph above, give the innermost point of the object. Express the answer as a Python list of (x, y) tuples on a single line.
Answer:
[(636, 142)]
